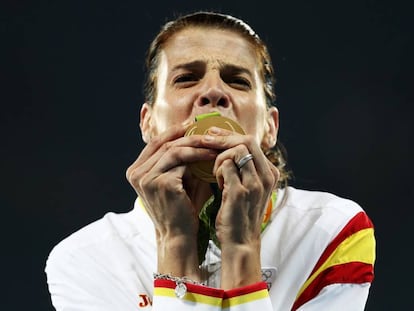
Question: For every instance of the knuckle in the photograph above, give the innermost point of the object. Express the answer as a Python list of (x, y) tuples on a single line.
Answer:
[(268, 181), (167, 145), (255, 188), (172, 150), (227, 163), (128, 173), (221, 140), (146, 184), (242, 192), (133, 177), (250, 140), (163, 182), (275, 175), (242, 150), (155, 140), (175, 153)]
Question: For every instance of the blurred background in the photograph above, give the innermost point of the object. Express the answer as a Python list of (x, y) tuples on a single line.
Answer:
[(70, 93)]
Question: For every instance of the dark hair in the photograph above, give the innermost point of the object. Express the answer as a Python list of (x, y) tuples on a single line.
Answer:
[(222, 21)]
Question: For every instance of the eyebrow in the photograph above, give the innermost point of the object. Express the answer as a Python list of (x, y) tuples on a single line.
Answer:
[(197, 64), (235, 69)]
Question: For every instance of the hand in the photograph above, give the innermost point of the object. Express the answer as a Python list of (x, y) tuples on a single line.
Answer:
[(158, 176), (245, 192), (245, 195)]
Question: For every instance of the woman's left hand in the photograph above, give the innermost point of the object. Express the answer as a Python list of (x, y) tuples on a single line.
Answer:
[(245, 195)]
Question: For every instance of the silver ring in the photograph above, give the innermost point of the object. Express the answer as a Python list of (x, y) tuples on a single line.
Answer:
[(242, 162)]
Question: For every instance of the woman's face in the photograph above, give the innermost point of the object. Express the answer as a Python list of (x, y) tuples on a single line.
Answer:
[(204, 70)]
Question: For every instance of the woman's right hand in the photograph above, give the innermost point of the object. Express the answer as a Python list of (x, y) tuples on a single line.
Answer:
[(159, 176)]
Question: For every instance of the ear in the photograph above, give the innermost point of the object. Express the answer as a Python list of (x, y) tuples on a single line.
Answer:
[(145, 122), (271, 130)]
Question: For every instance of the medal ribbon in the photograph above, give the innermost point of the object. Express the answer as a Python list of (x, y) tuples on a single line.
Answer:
[(208, 213)]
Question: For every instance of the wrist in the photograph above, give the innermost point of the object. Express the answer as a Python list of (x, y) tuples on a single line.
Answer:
[(240, 266), (178, 256)]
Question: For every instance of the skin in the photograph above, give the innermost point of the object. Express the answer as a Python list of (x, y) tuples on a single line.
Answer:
[(203, 70)]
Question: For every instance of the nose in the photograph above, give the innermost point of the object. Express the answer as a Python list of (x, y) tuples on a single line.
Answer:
[(213, 93)]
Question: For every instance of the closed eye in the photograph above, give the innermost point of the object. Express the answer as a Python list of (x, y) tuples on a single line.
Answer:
[(239, 83), (185, 80)]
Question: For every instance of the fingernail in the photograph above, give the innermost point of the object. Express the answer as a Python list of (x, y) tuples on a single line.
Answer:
[(208, 138), (214, 130)]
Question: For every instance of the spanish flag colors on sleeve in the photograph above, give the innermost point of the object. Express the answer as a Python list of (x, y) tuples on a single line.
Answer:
[(210, 299), (349, 258)]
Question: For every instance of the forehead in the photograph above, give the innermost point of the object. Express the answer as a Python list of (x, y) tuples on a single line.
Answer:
[(211, 45)]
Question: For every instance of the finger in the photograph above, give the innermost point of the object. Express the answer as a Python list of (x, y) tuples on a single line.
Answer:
[(235, 154), (227, 173), (214, 130), (275, 173), (159, 147), (248, 171), (226, 141), (239, 146), (158, 141), (174, 157), (178, 155)]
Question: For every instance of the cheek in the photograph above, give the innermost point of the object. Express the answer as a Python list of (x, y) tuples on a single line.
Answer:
[(254, 122), (168, 112), (253, 117)]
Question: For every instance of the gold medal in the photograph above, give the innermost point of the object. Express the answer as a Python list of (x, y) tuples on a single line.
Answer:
[(204, 169)]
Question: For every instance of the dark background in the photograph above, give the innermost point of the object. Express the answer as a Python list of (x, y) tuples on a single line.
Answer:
[(71, 75)]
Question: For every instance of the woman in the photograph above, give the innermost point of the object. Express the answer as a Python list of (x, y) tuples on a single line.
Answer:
[(238, 240)]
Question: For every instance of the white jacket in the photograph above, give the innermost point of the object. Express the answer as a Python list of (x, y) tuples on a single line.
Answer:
[(318, 253)]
